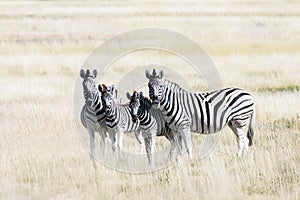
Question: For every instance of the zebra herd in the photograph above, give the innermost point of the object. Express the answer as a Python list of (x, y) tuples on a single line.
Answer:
[(170, 111)]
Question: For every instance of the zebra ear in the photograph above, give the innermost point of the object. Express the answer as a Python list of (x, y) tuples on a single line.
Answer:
[(141, 94), (112, 89), (87, 73), (161, 74), (100, 88), (82, 73), (104, 88), (95, 73), (147, 74), (128, 95)]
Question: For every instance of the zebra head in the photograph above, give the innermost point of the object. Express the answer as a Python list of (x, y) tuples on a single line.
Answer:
[(134, 104), (108, 97), (90, 90), (156, 86)]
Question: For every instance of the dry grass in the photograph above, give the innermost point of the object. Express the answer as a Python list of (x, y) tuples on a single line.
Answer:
[(254, 45)]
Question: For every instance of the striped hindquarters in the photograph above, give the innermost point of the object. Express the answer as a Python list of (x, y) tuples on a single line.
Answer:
[(214, 110)]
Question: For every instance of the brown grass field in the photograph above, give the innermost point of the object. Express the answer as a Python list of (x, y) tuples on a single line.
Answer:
[(255, 45)]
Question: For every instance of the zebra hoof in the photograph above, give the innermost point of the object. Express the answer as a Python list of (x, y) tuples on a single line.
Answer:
[(246, 145)]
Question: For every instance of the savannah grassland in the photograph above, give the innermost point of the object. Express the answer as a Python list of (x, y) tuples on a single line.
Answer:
[(255, 45)]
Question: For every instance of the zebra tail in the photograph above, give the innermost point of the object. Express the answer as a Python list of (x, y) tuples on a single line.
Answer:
[(250, 132)]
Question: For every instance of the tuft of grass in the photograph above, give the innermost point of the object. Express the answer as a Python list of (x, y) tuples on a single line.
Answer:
[(265, 74), (283, 88), (288, 123)]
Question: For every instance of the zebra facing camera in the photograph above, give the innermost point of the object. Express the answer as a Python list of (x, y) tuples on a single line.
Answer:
[(113, 49)]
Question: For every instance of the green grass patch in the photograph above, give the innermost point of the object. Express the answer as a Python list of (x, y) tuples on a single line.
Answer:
[(283, 88)]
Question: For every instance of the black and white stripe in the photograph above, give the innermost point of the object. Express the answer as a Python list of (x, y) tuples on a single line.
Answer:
[(203, 112), (118, 119), (93, 113), (152, 123)]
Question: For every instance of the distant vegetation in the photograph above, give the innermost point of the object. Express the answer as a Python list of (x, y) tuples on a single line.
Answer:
[(284, 88)]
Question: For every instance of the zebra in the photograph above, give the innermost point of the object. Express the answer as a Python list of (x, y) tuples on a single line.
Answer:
[(203, 113), (152, 123), (118, 119), (93, 112)]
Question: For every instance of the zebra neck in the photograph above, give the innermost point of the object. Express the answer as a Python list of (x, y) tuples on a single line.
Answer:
[(144, 117), (113, 112), (96, 105), (164, 104), (173, 86)]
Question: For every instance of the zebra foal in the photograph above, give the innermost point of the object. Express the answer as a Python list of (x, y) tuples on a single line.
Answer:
[(152, 123), (118, 119)]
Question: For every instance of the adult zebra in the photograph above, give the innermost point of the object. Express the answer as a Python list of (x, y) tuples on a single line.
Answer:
[(203, 113), (152, 123), (93, 112), (118, 119)]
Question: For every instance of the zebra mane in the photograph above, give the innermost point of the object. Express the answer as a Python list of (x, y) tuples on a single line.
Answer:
[(132, 97), (173, 86), (89, 78), (116, 95), (146, 103)]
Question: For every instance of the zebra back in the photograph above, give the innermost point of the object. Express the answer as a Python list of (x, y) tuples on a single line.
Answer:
[(210, 112)]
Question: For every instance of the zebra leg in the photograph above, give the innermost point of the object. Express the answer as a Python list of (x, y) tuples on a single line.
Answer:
[(92, 145), (186, 134), (149, 145), (152, 147), (103, 142), (241, 139), (179, 148), (178, 142), (139, 137), (112, 137), (172, 147), (173, 138), (171, 152), (120, 142)]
